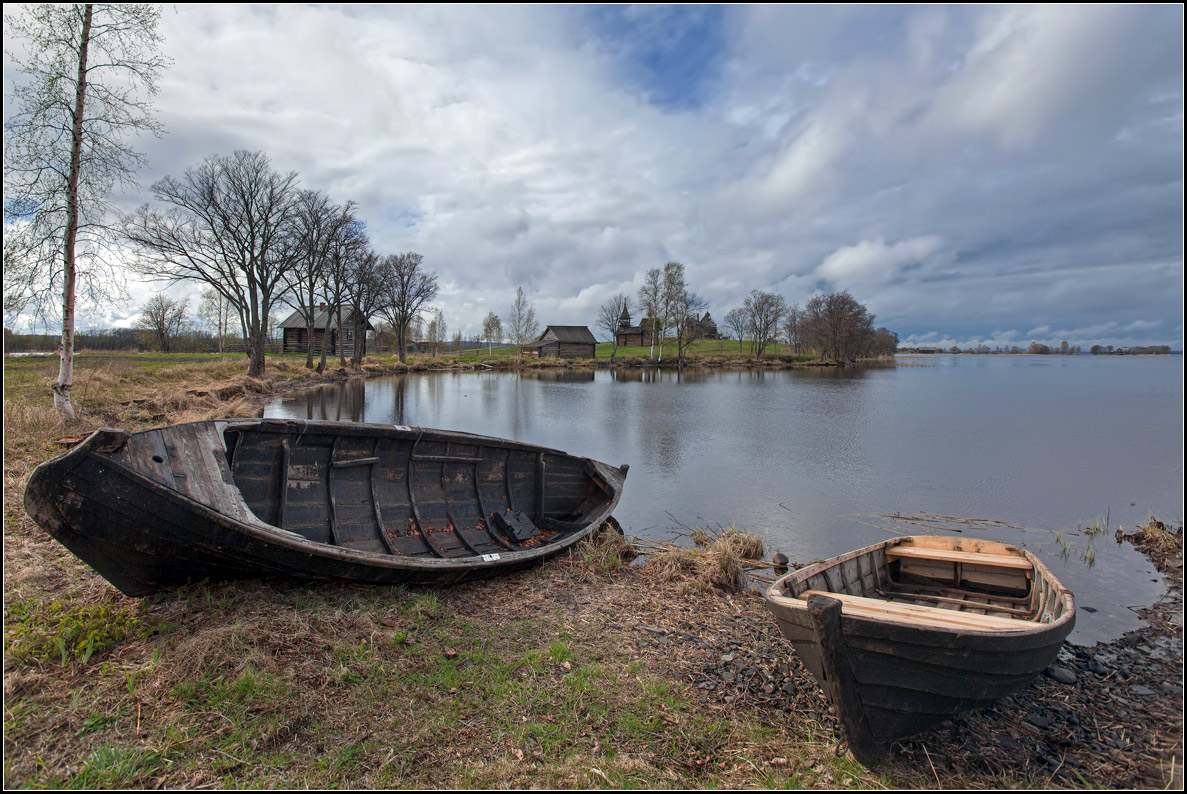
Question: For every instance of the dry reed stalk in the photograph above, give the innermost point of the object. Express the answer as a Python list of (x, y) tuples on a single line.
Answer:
[(743, 544), (673, 564)]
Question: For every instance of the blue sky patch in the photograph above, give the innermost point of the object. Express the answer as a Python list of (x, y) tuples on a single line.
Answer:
[(669, 53)]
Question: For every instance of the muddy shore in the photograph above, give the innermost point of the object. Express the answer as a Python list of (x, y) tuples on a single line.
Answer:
[(1108, 715)]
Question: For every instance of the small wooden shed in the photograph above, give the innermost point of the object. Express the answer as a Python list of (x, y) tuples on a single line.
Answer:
[(565, 341)]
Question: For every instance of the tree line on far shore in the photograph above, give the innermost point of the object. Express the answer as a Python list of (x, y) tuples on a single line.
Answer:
[(834, 325), (1041, 349)]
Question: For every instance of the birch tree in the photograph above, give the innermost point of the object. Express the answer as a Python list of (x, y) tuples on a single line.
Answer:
[(88, 73), (521, 322), (673, 291), (217, 312), (492, 329), (650, 301)]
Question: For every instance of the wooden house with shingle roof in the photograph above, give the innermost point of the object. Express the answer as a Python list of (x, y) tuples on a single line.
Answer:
[(565, 341), (296, 333)]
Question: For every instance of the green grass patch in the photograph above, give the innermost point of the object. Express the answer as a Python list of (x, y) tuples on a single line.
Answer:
[(37, 633)]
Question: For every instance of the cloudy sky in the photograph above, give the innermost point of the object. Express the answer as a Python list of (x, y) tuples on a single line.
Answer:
[(972, 174)]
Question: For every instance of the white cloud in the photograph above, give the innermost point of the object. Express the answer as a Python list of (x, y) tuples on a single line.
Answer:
[(964, 168), (872, 262)]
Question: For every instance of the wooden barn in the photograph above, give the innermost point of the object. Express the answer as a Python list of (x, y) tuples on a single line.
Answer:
[(565, 341), (296, 334)]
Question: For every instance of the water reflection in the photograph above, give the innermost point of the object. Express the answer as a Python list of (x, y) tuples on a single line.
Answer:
[(560, 376), (338, 402), (804, 458)]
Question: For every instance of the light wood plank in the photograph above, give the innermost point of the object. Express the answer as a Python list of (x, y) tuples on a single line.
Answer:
[(970, 558), (873, 607)]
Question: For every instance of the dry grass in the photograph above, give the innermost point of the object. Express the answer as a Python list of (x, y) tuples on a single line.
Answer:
[(716, 560), (743, 544), (1160, 537), (604, 552), (675, 564)]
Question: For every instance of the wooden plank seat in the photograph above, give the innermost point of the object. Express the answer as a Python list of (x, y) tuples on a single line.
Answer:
[(920, 614), (948, 555)]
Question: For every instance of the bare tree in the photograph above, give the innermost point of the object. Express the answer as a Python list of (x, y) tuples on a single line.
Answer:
[(492, 329), (163, 318), (346, 243), (228, 225), (609, 316), (686, 311), (883, 342), (521, 323), (409, 288), (317, 226), (65, 150), (791, 327), (737, 322), (365, 294), (764, 314), (837, 325)]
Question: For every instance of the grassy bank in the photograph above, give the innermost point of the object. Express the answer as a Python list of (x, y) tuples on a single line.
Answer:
[(588, 671), (535, 679)]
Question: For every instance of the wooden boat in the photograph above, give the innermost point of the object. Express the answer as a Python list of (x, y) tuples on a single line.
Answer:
[(318, 500), (903, 634)]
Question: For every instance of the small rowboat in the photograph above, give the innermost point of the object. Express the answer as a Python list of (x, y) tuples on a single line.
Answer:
[(316, 500), (903, 634)]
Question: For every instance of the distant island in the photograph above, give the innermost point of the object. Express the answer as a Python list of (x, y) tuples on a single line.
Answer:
[(1039, 349)]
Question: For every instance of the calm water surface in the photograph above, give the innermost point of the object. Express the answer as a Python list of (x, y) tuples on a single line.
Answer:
[(1026, 449)]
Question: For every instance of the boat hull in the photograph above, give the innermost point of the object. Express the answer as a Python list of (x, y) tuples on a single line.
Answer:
[(314, 500), (890, 679)]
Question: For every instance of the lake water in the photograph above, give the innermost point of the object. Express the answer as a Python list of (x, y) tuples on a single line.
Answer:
[(1026, 449)]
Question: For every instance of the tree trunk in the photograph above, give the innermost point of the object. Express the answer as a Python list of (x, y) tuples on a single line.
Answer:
[(309, 329), (359, 350), (321, 367), (69, 275), (257, 354), (341, 342)]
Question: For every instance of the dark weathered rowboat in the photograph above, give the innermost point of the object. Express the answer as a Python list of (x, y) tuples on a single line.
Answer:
[(318, 500), (903, 634)]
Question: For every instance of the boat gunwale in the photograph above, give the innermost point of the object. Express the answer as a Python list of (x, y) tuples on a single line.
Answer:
[(778, 598), (54, 469)]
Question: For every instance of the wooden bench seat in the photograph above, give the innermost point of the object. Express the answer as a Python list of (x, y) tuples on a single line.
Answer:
[(919, 614), (966, 557)]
